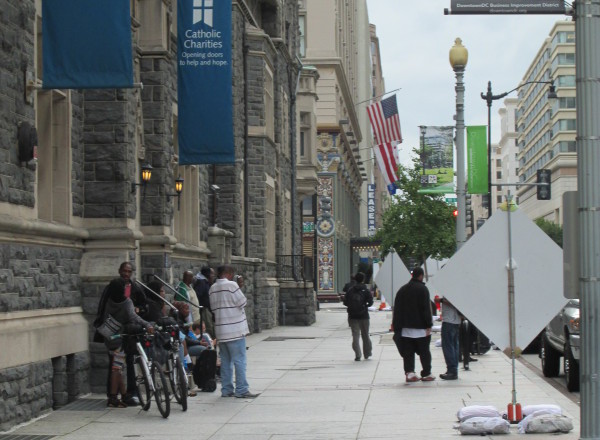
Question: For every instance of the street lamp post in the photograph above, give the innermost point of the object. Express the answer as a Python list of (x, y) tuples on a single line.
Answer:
[(489, 97), (458, 60)]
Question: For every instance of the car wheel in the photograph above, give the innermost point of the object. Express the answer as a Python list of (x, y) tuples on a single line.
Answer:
[(550, 358), (571, 367)]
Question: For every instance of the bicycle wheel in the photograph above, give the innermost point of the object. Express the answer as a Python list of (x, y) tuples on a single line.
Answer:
[(182, 383), (161, 390), (142, 383), (173, 375)]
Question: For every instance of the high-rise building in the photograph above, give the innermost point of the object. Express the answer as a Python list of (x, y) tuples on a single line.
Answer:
[(505, 154), (547, 127), (337, 44)]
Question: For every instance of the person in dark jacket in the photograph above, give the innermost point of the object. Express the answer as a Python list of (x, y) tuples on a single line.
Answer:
[(156, 309), (358, 299), (412, 322), (205, 279)]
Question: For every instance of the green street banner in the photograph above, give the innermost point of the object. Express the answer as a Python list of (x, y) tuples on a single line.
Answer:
[(437, 158), (477, 160)]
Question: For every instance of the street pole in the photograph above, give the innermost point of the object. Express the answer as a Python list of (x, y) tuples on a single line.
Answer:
[(422, 128), (489, 145), (515, 408), (587, 69), (458, 60)]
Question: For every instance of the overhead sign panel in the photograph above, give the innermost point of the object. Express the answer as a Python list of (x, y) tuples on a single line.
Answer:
[(507, 7)]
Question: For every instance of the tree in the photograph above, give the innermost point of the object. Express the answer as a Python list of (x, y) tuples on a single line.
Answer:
[(553, 230), (417, 225)]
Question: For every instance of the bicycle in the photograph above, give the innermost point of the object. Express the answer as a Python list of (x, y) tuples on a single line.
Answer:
[(149, 376), (173, 365)]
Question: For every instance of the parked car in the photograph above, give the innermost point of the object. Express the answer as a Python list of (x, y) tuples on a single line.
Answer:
[(560, 338)]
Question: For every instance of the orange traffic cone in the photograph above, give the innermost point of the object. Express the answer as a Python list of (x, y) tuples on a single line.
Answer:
[(382, 306)]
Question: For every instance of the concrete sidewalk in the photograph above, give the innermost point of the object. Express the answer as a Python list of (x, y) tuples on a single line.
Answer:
[(313, 389)]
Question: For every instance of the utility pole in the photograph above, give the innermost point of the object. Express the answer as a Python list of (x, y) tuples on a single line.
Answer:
[(587, 65)]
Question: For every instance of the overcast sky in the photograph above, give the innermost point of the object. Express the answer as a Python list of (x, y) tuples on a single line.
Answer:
[(415, 38)]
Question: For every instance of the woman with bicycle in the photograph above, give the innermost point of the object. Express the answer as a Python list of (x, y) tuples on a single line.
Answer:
[(120, 306)]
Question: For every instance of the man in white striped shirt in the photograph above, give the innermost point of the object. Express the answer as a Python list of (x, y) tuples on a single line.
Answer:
[(227, 302)]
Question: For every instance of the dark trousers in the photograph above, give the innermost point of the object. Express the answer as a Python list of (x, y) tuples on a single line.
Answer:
[(131, 386), (408, 347), (450, 346)]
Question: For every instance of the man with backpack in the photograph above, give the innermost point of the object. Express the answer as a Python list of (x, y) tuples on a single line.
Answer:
[(358, 299)]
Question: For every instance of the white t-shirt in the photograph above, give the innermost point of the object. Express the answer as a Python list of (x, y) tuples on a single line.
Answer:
[(414, 332)]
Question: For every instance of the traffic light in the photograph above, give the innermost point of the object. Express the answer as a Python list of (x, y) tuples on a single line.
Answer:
[(468, 212), (544, 191), (455, 213)]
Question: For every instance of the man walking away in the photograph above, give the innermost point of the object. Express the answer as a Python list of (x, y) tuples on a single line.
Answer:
[(450, 329), (227, 303), (412, 322), (358, 299)]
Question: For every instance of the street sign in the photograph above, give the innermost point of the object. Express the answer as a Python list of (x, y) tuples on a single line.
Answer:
[(475, 279), (391, 276), (477, 7)]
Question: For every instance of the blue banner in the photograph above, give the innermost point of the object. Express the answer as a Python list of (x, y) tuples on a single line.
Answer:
[(204, 76), (86, 44)]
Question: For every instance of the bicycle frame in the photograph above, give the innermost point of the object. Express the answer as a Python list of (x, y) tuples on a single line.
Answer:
[(145, 365)]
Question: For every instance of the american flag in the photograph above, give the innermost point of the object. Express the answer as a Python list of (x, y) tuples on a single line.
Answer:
[(385, 120), (386, 160)]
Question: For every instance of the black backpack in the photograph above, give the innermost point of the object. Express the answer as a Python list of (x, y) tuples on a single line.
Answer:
[(355, 301)]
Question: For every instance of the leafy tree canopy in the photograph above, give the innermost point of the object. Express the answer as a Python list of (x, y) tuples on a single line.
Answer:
[(553, 230), (417, 225)]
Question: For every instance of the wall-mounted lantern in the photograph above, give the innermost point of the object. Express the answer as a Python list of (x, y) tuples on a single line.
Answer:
[(178, 189), (146, 175)]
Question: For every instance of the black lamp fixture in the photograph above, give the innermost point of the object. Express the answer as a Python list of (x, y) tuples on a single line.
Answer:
[(489, 97), (146, 175), (178, 189)]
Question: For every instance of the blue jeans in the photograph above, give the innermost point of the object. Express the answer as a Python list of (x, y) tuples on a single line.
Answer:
[(233, 354), (450, 346)]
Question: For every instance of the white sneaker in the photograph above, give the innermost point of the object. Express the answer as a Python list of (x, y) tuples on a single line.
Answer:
[(412, 377)]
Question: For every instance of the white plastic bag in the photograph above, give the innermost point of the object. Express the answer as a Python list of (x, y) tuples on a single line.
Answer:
[(476, 411), (484, 425), (545, 422), (549, 409)]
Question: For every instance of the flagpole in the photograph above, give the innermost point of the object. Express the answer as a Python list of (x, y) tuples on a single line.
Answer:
[(375, 97)]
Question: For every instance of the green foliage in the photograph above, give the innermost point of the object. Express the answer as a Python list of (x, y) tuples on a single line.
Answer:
[(554, 231), (417, 225)]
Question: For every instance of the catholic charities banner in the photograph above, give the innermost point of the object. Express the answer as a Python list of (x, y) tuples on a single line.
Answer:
[(204, 75), (477, 161)]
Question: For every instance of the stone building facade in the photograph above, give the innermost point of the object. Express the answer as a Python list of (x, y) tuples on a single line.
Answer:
[(69, 220)]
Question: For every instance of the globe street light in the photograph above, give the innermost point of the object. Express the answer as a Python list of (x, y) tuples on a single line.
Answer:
[(458, 60)]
